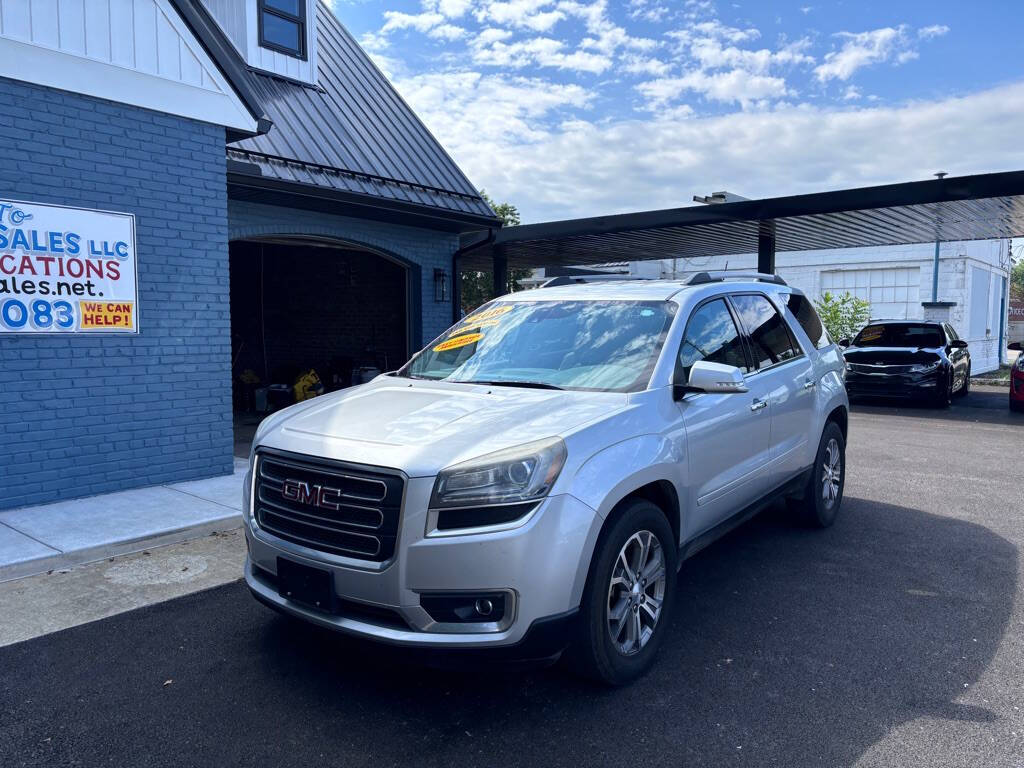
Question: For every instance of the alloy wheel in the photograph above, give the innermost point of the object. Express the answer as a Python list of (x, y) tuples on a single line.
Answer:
[(636, 592), (832, 469)]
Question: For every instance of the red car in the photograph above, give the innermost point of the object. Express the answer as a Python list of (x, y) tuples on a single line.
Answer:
[(1017, 380)]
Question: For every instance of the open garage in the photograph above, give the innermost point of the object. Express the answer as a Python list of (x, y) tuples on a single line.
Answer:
[(301, 305)]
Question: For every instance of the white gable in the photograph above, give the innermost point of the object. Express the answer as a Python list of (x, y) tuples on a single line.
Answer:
[(137, 52)]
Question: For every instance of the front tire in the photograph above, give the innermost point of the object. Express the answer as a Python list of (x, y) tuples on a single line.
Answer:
[(628, 597), (965, 388), (822, 496)]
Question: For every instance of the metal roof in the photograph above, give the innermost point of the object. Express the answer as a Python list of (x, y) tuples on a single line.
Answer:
[(352, 133), (977, 207)]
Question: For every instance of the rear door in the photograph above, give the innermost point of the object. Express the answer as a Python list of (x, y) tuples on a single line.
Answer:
[(727, 435), (785, 374)]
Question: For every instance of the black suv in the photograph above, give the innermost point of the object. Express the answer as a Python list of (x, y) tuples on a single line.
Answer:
[(910, 359)]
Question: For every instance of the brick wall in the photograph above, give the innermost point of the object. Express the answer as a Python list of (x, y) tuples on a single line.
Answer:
[(82, 415), (422, 248)]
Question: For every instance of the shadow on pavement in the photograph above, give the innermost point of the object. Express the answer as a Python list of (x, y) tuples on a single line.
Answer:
[(788, 647), (989, 405)]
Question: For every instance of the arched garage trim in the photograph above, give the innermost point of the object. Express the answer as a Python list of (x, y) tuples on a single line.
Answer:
[(330, 235)]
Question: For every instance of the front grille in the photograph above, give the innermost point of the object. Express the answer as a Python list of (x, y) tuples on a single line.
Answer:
[(338, 508)]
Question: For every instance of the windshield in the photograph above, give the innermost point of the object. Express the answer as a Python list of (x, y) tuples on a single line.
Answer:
[(900, 335), (608, 346)]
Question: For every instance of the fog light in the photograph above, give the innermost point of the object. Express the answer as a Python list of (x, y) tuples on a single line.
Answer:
[(465, 607)]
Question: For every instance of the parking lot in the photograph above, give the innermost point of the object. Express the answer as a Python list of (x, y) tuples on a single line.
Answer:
[(894, 638)]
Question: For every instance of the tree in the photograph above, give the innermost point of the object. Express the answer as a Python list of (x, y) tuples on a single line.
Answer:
[(842, 315), (1017, 279), (478, 286)]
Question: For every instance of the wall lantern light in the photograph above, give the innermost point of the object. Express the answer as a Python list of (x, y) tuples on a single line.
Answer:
[(440, 285)]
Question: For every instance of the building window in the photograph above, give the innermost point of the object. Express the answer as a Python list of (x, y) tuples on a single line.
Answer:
[(282, 26)]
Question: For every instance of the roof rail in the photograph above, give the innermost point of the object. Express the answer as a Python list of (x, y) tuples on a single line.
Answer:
[(717, 277), (579, 279)]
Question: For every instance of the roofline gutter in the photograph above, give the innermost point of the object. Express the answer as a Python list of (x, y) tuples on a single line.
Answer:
[(469, 222), (227, 60)]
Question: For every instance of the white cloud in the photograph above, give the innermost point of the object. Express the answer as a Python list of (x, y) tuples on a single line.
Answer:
[(538, 52), (862, 49), (935, 30), (852, 93), (537, 15), (501, 133), (734, 86)]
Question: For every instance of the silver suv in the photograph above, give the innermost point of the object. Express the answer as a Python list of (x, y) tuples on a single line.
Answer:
[(531, 481)]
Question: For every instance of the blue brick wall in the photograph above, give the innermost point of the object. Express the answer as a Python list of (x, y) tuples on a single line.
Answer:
[(425, 248), (82, 415)]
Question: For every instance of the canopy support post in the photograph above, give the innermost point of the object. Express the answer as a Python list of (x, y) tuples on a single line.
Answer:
[(766, 247)]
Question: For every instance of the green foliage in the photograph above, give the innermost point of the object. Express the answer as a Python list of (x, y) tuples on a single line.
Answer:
[(478, 287), (842, 315), (1017, 279)]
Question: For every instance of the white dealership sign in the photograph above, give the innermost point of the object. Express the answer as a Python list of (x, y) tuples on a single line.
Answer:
[(66, 270)]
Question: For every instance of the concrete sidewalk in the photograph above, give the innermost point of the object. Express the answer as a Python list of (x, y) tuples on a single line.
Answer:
[(37, 539)]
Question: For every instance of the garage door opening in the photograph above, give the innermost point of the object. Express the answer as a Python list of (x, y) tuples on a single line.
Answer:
[(301, 305)]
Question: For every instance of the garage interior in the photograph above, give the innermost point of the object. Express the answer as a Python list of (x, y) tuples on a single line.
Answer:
[(301, 305)]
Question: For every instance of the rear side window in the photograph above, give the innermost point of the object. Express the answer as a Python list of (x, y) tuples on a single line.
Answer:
[(711, 335), (770, 341), (804, 313)]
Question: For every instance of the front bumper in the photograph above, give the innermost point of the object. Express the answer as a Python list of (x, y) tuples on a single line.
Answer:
[(1017, 386), (896, 385), (542, 565)]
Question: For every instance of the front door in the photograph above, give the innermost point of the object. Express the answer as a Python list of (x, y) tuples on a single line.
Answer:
[(727, 436)]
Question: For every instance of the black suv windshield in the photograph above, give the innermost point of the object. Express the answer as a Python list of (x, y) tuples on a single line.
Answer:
[(900, 335), (608, 346)]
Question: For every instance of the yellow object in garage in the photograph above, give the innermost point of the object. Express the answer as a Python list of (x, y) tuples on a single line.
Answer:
[(308, 386)]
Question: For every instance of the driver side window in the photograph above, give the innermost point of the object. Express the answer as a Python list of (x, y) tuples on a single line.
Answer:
[(711, 335)]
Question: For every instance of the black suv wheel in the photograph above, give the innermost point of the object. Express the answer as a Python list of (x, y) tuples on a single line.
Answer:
[(628, 598)]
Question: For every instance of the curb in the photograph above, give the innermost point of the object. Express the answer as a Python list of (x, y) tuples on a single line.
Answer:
[(113, 549)]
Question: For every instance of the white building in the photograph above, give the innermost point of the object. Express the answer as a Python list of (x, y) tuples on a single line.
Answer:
[(972, 294)]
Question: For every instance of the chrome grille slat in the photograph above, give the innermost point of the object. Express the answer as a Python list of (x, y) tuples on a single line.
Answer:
[(291, 501)]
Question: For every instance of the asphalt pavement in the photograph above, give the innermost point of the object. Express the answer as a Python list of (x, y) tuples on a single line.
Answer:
[(894, 638)]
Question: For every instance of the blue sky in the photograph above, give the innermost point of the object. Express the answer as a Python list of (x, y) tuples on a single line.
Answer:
[(574, 108)]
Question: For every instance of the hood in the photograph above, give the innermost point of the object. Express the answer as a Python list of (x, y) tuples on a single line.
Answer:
[(420, 427), (890, 355)]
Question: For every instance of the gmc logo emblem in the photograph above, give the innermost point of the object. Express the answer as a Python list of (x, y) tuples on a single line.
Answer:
[(312, 495)]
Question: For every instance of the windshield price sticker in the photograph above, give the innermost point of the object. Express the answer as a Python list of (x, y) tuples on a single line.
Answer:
[(458, 341), (487, 314), (66, 270)]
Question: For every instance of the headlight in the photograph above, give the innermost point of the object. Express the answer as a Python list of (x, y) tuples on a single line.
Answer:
[(925, 367), (510, 476)]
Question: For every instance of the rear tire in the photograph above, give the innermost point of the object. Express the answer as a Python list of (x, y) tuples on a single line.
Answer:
[(627, 602), (822, 496)]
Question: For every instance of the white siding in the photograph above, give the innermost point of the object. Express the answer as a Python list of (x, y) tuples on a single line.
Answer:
[(134, 51), (239, 21), (230, 16)]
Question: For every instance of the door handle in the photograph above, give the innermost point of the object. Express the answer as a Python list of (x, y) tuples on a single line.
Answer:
[(757, 405), (810, 384)]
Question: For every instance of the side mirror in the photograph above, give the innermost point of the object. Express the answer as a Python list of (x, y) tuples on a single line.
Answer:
[(845, 341), (713, 378), (1015, 347), (958, 344)]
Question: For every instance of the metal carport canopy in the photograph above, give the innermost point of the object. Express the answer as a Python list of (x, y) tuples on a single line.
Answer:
[(980, 207)]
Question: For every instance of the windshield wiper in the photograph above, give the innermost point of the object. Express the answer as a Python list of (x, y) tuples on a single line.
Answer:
[(513, 383)]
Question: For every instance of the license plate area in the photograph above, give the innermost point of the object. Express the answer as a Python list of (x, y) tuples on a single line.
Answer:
[(312, 587)]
